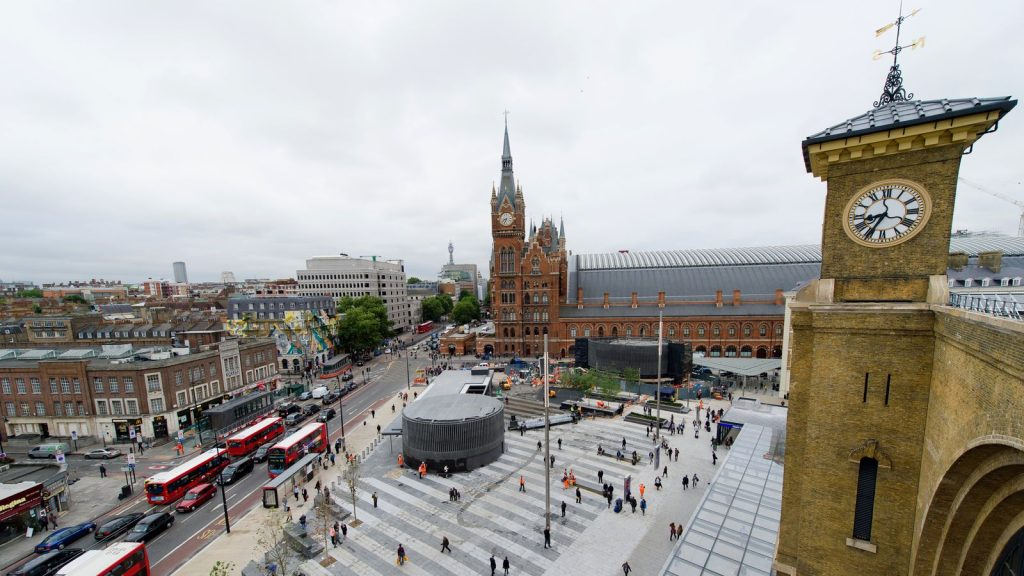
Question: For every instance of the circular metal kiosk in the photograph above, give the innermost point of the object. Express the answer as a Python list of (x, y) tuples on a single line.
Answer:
[(463, 431)]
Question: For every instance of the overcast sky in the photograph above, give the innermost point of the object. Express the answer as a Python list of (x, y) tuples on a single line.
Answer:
[(249, 136)]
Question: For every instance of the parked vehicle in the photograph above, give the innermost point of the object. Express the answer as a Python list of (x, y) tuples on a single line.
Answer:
[(261, 453), (60, 538), (118, 525), (46, 564), (347, 376), (236, 470), (326, 414), (294, 419), (195, 497), (288, 408), (310, 409), (331, 397), (305, 395), (103, 453), (149, 527), (48, 450), (318, 392)]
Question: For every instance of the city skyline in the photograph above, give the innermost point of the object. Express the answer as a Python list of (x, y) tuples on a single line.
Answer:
[(138, 136)]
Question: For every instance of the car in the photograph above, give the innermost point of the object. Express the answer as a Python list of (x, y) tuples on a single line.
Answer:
[(347, 376), (150, 526), (288, 408), (360, 363), (294, 419), (331, 397), (117, 525), (326, 414), (310, 409), (261, 453), (196, 497), (318, 392), (236, 470), (351, 386), (103, 453), (60, 538), (305, 395), (47, 564)]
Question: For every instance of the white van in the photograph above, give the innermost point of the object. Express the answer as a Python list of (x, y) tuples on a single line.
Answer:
[(48, 450), (319, 392)]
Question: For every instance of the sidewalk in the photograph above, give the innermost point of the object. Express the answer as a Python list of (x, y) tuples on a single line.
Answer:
[(240, 546)]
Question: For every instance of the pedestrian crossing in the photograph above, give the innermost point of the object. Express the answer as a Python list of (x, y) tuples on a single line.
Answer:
[(492, 516)]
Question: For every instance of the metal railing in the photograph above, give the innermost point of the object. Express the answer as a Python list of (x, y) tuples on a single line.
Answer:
[(989, 304)]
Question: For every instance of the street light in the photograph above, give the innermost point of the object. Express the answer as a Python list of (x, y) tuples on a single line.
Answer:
[(341, 413), (408, 381), (547, 442), (223, 495)]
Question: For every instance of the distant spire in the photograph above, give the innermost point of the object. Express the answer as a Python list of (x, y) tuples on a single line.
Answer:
[(561, 226), (451, 252), (506, 153), (507, 187)]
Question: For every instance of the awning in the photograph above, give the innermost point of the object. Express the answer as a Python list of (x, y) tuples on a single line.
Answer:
[(741, 366)]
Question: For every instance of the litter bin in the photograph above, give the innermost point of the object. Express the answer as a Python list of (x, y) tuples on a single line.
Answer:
[(126, 491)]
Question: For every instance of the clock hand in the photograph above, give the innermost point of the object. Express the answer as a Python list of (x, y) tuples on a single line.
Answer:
[(878, 220)]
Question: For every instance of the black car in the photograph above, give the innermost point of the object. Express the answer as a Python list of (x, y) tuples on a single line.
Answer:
[(347, 376), (46, 564), (351, 386), (326, 414), (294, 419), (149, 527), (359, 362), (288, 408), (331, 397), (235, 470), (310, 409), (261, 453), (117, 525)]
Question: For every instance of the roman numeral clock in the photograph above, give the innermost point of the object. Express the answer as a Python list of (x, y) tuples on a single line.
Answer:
[(887, 213)]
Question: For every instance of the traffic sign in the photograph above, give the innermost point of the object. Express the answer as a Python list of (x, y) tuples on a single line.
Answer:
[(60, 457), (131, 432), (131, 458)]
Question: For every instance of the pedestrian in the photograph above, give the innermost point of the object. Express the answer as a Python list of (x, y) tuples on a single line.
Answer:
[(444, 545), (373, 413), (559, 443), (451, 494), (547, 537), (327, 493), (648, 429), (378, 429), (103, 471), (714, 459), (552, 461), (657, 483), (504, 565), (53, 520), (695, 479), (522, 483), (374, 498), (579, 495), (643, 507), (600, 476), (608, 495), (305, 495), (642, 489), (563, 509), (401, 555), (392, 408), (344, 530), (679, 530), (632, 504), (43, 519), (626, 569), (671, 531), (677, 455), (623, 442), (539, 445), (140, 449), (664, 472), (686, 482), (522, 429), (494, 565), (317, 487), (334, 537), (458, 495), (295, 492)]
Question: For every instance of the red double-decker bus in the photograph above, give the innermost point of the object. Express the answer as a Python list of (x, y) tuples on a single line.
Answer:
[(425, 327), (118, 559), (248, 440), (166, 487), (310, 438)]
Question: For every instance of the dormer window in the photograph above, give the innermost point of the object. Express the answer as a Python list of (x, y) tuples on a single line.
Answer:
[(952, 284), (968, 282), (1016, 281), (1004, 282), (985, 282)]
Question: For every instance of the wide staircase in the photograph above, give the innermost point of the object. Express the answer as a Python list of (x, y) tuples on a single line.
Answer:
[(526, 408)]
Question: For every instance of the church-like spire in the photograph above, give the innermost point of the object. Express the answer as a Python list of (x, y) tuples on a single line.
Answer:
[(506, 153), (561, 227), (507, 188)]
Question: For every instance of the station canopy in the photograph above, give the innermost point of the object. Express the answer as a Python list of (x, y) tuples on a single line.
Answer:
[(741, 366)]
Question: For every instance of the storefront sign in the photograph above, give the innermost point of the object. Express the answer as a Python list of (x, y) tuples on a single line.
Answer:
[(20, 502), (12, 504)]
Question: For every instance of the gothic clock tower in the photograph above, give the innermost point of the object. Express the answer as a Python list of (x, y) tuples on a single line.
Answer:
[(508, 233)]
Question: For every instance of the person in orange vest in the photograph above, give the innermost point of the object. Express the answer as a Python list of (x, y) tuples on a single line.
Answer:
[(642, 488), (401, 461), (522, 483), (423, 469)]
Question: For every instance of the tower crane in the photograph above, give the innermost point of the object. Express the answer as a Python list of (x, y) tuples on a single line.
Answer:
[(1017, 203)]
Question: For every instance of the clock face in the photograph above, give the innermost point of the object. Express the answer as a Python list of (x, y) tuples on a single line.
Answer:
[(887, 213), (505, 219)]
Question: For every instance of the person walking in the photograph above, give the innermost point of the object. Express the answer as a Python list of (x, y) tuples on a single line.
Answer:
[(334, 537), (643, 507), (686, 482), (295, 492), (623, 442), (626, 569), (401, 555), (671, 531), (677, 455), (632, 504), (559, 443), (103, 471), (695, 479), (444, 545), (344, 530), (505, 565), (664, 472), (547, 537), (563, 509), (642, 489), (714, 459), (600, 476), (579, 495), (522, 483), (43, 519), (305, 496), (374, 497), (494, 565)]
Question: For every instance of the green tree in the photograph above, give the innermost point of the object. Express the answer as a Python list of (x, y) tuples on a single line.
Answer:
[(37, 309), (465, 312), (76, 298), (413, 280), (222, 568), (433, 309), (30, 293), (632, 375), (360, 330), (446, 302)]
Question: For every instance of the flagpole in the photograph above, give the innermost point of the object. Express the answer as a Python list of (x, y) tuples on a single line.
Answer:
[(657, 384)]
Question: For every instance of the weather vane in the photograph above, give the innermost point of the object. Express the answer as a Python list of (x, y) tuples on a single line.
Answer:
[(893, 90)]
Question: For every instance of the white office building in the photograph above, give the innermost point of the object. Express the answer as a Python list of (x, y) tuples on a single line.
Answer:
[(342, 275)]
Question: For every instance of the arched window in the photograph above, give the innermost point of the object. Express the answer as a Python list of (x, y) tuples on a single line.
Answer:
[(544, 298), (629, 331), (586, 332), (762, 352), (671, 331), (535, 331), (544, 331), (762, 330), (716, 351), (600, 331), (746, 352), (700, 330), (701, 349), (716, 330), (511, 332), (615, 331), (730, 351), (643, 331), (505, 332), (536, 298), (535, 266), (526, 298), (865, 503), (572, 331), (732, 330), (544, 315), (746, 330), (778, 329), (686, 331)]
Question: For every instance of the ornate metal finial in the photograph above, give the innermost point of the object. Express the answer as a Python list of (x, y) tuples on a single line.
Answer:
[(893, 90)]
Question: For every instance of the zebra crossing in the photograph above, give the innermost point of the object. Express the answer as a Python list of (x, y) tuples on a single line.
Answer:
[(492, 516)]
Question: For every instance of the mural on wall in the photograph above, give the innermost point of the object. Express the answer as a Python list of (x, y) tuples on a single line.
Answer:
[(294, 334)]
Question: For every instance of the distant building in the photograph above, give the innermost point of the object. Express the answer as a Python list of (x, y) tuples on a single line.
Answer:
[(180, 275), (465, 276), (340, 276), (15, 286), (227, 277), (417, 292)]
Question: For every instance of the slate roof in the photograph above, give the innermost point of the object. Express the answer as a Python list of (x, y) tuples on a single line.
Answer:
[(906, 113)]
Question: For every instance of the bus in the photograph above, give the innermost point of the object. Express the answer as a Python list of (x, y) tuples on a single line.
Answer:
[(237, 412), (310, 438), (118, 559), (425, 327), (247, 441), (166, 487), (336, 366)]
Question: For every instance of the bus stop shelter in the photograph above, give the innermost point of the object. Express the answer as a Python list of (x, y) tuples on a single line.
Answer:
[(277, 489)]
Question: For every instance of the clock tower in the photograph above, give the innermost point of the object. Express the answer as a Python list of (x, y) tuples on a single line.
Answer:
[(508, 234), (863, 336)]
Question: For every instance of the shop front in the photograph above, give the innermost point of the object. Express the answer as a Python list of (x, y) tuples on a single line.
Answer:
[(19, 509), (122, 429), (55, 493), (160, 427)]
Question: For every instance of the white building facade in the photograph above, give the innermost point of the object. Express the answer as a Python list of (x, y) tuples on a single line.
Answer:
[(340, 276)]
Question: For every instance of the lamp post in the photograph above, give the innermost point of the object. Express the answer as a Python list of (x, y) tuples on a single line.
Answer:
[(408, 376), (657, 384), (341, 413), (547, 442), (223, 496)]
